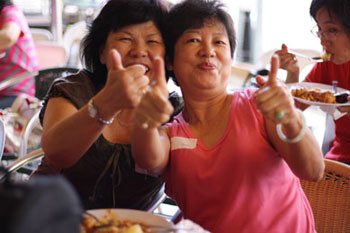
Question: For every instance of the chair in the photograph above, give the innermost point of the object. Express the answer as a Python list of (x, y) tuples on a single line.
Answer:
[(2, 138), (40, 35), (157, 200), (43, 81), (46, 76), (330, 198), (22, 162), (51, 54), (71, 40)]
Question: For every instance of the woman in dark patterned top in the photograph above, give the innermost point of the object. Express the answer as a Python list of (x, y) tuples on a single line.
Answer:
[(87, 117)]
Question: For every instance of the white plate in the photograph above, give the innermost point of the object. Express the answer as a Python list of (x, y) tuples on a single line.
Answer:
[(134, 215), (316, 85)]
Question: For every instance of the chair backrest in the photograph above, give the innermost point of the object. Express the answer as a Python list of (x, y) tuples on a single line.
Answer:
[(71, 40), (2, 138), (40, 35), (330, 198), (51, 54), (21, 162), (45, 78)]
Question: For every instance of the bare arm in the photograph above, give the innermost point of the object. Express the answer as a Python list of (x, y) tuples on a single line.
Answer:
[(9, 34), (69, 132), (303, 157), (150, 141)]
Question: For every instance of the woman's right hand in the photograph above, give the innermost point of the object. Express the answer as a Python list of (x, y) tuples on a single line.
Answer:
[(125, 85)]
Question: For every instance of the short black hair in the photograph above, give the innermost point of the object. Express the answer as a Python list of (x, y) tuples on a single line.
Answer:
[(336, 8), (113, 16), (193, 14)]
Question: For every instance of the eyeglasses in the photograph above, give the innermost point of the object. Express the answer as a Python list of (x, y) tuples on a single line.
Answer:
[(329, 34)]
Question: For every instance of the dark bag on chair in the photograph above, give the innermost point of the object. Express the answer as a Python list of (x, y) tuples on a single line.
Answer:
[(43, 205)]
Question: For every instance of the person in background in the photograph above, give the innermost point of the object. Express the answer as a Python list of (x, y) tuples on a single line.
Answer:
[(17, 52), (231, 161), (87, 117), (333, 29)]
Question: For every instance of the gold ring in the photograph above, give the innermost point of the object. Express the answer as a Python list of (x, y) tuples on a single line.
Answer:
[(144, 91)]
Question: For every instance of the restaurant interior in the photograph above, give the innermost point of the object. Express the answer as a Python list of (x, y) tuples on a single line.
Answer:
[(58, 26)]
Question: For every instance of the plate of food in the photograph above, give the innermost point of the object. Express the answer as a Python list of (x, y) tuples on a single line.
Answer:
[(319, 94), (122, 221)]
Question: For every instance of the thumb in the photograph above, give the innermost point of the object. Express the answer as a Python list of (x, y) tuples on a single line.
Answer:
[(114, 61), (158, 78), (275, 63), (284, 48), (261, 81)]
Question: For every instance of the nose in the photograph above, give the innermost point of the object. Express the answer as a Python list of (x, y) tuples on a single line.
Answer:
[(138, 50), (207, 50), (324, 41)]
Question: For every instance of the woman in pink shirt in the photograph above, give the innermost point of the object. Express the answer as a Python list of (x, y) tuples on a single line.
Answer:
[(232, 161), (17, 45)]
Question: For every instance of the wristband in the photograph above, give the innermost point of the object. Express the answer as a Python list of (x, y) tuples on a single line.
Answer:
[(93, 112), (298, 137)]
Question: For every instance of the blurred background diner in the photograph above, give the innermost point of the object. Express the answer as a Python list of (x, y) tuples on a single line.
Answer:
[(58, 26)]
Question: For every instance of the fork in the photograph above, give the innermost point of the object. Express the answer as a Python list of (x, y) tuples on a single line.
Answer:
[(312, 59)]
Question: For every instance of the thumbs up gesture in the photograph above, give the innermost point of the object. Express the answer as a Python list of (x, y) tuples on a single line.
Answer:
[(154, 108), (274, 100), (125, 85)]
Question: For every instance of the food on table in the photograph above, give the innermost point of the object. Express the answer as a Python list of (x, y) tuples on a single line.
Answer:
[(314, 94), (326, 57), (342, 97), (111, 223)]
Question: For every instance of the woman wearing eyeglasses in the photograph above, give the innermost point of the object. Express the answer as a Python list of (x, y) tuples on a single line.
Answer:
[(333, 29)]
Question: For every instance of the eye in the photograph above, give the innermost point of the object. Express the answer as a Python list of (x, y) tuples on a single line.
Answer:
[(193, 40), (153, 42), (124, 39), (332, 30), (220, 42)]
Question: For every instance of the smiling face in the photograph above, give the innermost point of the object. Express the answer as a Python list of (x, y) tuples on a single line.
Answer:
[(339, 45), (202, 59), (137, 44)]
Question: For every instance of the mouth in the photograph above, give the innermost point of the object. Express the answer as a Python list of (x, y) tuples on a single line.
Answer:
[(147, 68), (207, 66)]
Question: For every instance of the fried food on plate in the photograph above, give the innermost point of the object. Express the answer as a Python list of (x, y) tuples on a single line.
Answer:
[(314, 94)]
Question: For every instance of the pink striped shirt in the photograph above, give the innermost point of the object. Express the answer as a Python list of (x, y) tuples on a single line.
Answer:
[(19, 58)]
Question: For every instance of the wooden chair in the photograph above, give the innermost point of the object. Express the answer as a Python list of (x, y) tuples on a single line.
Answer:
[(330, 198)]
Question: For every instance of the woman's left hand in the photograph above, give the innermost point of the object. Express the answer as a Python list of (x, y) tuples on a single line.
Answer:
[(274, 99)]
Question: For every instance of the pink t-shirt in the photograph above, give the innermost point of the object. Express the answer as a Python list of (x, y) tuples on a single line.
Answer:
[(326, 72), (20, 57), (241, 184)]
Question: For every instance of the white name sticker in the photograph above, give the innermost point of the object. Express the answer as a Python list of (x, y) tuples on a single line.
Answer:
[(183, 143)]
